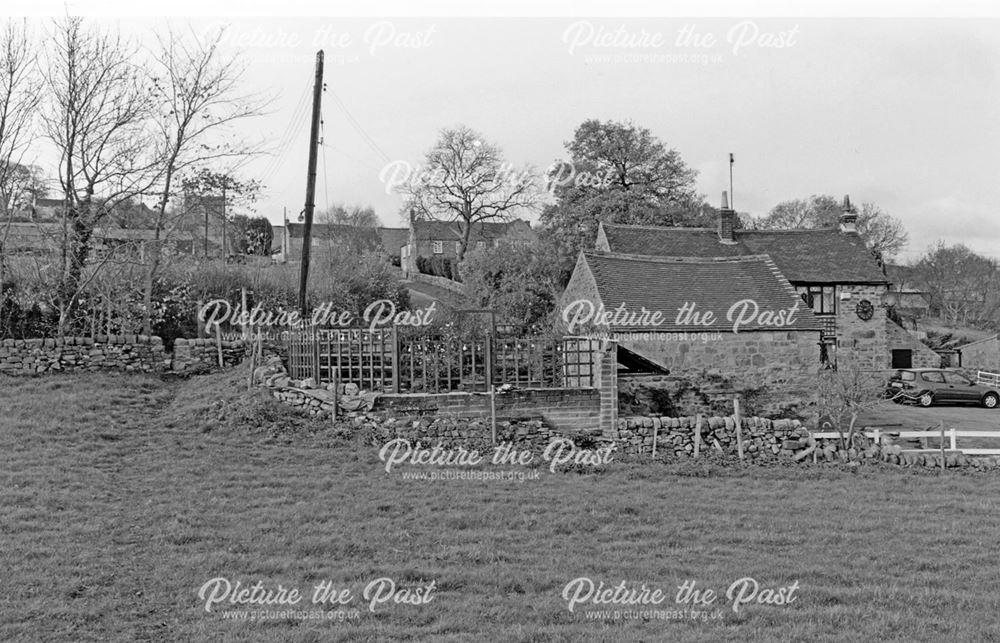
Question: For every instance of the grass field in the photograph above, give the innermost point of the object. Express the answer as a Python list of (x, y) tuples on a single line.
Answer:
[(120, 497)]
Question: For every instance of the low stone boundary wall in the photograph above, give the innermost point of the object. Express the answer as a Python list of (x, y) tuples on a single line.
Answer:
[(123, 352), (441, 282), (762, 437), (199, 354), (130, 353)]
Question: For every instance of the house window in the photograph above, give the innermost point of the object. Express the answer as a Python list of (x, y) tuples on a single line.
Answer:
[(903, 358), (458, 247), (822, 299), (438, 247), (480, 245)]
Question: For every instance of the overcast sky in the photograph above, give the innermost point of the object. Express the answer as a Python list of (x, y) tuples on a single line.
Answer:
[(900, 112)]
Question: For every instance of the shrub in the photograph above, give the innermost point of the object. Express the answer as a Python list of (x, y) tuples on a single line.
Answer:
[(516, 278), (438, 266)]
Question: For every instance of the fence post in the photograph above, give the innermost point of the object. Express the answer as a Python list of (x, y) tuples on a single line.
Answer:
[(656, 433), (253, 361), (395, 359), (943, 464), (488, 345), (315, 354), (336, 396), (243, 300), (954, 441), (218, 343), (697, 436), (739, 425)]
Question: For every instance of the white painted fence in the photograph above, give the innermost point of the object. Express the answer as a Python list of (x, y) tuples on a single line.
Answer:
[(950, 435)]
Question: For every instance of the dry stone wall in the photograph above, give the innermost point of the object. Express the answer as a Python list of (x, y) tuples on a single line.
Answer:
[(137, 353), (129, 353), (762, 437)]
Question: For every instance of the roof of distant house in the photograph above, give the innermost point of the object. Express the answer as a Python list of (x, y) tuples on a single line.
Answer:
[(813, 256), (392, 239), (482, 231), (668, 283), (991, 338)]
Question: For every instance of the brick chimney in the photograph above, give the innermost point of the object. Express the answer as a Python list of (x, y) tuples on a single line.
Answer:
[(848, 216), (727, 221)]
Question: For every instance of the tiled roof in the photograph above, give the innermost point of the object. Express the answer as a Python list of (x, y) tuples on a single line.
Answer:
[(394, 238), (482, 231), (815, 256), (668, 283)]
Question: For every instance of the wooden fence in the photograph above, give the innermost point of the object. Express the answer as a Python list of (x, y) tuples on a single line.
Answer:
[(947, 436), (384, 360)]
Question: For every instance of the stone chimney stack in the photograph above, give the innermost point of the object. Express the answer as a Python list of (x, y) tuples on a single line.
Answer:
[(727, 221), (848, 216)]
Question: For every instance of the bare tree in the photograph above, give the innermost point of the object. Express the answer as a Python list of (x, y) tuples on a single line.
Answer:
[(352, 215), (467, 181), (197, 95), (883, 233), (964, 287), (97, 115), (18, 102)]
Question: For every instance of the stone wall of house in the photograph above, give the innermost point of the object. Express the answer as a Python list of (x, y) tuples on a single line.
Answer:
[(132, 353), (898, 338), (983, 355), (775, 370), (863, 341), (681, 395)]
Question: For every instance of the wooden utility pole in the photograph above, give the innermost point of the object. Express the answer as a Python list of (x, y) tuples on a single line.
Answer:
[(311, 183), (224, 255)]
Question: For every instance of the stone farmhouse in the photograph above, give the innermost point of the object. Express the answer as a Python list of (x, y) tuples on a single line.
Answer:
[(834, 275), (443, 238)]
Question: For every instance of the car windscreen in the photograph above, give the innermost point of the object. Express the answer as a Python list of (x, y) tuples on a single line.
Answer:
[(906, 376)]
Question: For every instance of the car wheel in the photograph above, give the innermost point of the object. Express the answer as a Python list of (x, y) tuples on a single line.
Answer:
[(926, 399), (991, 400)]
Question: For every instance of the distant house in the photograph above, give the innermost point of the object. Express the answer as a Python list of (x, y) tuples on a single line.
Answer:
[(40, 229), (831, 270), (325, 236), (443, 239), (673, 312), (983, 354)]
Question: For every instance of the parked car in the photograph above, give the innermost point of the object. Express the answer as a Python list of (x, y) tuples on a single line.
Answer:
[(927, 386)]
